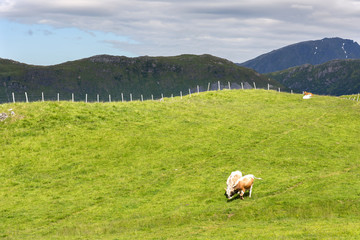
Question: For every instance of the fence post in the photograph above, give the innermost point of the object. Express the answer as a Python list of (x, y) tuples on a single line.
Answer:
[(254, 85), (152, 97), (268, 86), (198, 91), (292, 91), (180, 94), (219, 85), (97, 98), (229, 85), (86, 100), (242, 85), (189, 92), (208, 86), (122, 97), (109, 98), (13, 97), (172, 95), (26, 97), (58, 97), (162, 96), (42, 96), (142, 98), (72, 97), (279, 90), (130, 97)]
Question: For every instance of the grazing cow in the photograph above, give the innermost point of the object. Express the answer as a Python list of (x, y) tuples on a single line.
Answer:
[(307, 95), (234, 176), (244, 183)]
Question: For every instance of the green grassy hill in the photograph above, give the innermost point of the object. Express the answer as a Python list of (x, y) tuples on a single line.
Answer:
[(157, 170), (112, 75)]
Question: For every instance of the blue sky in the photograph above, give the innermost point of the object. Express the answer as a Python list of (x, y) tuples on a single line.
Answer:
[(46, 32), (43, 44)]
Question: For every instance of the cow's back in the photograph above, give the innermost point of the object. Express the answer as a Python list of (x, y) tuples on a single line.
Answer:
[(234, 176)]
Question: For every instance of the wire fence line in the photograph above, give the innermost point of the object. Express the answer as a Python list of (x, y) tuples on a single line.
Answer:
[(121, 97)]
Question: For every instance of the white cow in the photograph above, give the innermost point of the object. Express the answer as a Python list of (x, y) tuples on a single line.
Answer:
[(234, 176)]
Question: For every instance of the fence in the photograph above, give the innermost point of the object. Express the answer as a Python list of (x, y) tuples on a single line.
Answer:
[(26, 97), (353, 97)]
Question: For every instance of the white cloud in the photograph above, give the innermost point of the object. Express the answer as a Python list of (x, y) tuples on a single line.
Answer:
[(237, 30)]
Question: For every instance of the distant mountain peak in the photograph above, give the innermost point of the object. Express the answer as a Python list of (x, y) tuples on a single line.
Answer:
[(309, 52)]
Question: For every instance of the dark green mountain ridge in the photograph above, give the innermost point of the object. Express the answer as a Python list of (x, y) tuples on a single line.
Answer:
[(337, 77), (112, 75)]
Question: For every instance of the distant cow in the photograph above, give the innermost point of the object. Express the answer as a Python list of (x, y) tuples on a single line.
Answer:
[(242, 184), (307, 95), (234, 176)]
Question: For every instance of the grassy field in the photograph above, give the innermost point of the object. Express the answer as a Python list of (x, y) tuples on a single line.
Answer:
[(157, 170)]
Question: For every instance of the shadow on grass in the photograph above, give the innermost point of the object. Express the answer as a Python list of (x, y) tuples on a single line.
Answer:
[(238, 197)]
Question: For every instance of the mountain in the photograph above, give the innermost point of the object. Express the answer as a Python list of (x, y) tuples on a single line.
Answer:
[(309, 52), (337, 77), (114, 75)]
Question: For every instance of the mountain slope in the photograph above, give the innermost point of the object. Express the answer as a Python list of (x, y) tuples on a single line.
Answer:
[(337, 77), (151, 170), (308, 52), (114, 75)]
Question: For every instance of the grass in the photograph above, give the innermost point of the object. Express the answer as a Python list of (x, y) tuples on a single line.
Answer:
[(157, 170)]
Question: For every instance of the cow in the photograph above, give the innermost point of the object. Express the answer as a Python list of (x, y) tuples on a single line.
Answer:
[(234, 176), (242, 184), (307, 95)]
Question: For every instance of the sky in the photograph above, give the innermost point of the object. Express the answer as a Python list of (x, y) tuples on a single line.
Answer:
[(48, 32)]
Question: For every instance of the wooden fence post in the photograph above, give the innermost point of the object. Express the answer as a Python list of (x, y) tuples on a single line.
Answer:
[(180, 94), (13, 97), (58, 97), (109, 98), (152, 97), (242, 85), (97, 98), (219, 85), (142, 98), (26, 97), (86, 98), (254, 85), (229, 85), (72, 97), (42, 96), (122, 97), (208, 86), (130, 97)]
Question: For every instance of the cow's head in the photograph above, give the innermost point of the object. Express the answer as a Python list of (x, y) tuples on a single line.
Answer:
[(230, 192)]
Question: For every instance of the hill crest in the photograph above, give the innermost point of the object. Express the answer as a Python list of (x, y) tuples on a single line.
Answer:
[(106, 74)]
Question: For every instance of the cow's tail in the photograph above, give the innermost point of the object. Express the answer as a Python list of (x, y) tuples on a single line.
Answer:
[(255, 177)]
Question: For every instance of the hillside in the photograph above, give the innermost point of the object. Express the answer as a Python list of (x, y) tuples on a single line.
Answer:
[(308, 52), (157, 170), (338, 77), (112, 75)]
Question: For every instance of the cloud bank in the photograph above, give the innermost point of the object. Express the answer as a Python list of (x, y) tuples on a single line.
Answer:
[(236, 30)]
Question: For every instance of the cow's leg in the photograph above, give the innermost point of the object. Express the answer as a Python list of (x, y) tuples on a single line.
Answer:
[(250, 190), (242, 192)]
